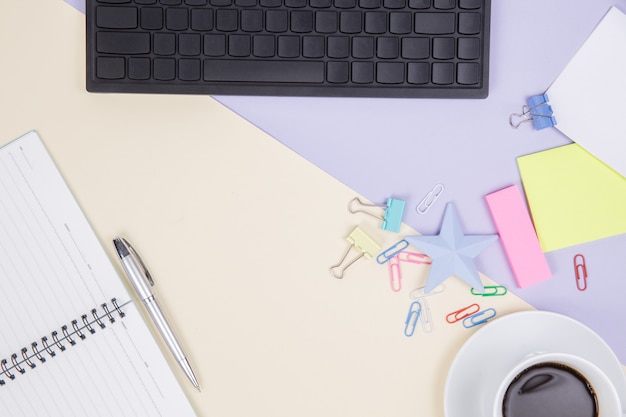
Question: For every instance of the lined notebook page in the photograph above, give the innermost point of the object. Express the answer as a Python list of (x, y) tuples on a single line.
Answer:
[(53, 271)]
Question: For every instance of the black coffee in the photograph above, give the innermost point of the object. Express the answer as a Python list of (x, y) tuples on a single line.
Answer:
[(550, 390)]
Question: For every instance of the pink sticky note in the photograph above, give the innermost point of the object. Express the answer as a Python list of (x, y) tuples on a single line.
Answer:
[(518, 236)]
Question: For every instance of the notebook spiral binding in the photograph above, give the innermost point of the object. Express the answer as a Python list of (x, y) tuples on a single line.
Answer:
[(57, 341)]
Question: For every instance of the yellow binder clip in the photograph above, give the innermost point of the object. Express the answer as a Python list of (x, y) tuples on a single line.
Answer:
[(363, 243)]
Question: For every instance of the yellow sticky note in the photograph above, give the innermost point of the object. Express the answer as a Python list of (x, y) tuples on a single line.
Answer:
[(573, 197)]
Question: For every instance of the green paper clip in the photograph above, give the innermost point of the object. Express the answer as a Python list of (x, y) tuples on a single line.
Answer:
[(491, 291)]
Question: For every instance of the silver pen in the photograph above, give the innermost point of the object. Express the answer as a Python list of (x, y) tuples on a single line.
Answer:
[(141, 280)]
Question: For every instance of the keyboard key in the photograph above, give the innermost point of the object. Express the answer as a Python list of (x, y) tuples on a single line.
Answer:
[(189, 44), (138, 68), (375, 22), (164, 69), (189, 69), (196, 2), (164, 43), (313, 47), (443, 48), (363, 47), (326, 22), (288, 46), (214, 45), (151, 18), (387, 47), (245, 3), (320, 4), (468, 73), (276, 21), (116, 17), (110, 68), (114, 1), (264, 71), (390, 72), (338, 47), (176, 19), (418, 73), (220, 3), (171, 2), (251, 20), (239, 45), (434, 23), (350, 22), (363, 72), (469, 23), (226, 20), (271, 3), (338, 72), (143, 1), (468, 48), (202, 19), (345, 4), (444, 4), (295, 3), (394, 4), (123, 43), (400, 23), (419, 4), (470, 4), (263, 46), (301, 21), (415, 48), (369, 4), (443, 73)]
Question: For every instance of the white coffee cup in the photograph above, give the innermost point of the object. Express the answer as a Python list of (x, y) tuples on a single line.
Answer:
[(608, 401)]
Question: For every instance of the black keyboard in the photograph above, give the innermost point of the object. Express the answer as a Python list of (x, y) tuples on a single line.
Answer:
[(354, 48)]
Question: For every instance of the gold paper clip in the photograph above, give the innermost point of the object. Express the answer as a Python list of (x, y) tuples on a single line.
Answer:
[(429, 199), (462, 313), (365, 245), (580, 269), (490, 291)]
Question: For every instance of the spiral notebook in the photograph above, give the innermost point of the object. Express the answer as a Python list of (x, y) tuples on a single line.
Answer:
[(72, 342)]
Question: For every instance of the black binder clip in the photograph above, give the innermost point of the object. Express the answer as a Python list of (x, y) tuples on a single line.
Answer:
[(538, 110)]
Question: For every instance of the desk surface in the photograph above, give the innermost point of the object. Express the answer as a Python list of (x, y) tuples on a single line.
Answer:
[(239, 231)]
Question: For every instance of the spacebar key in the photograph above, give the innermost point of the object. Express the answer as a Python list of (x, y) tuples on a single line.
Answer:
[(263, 71)]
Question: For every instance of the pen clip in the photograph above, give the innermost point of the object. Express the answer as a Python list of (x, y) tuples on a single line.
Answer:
[(134, 253)]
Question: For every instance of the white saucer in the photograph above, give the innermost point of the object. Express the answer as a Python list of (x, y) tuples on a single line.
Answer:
[(493, 350)]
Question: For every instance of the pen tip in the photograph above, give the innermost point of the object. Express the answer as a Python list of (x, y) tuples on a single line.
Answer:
[(121, 249)]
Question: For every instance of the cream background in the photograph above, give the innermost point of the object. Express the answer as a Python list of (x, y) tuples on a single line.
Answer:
[(239, 233)]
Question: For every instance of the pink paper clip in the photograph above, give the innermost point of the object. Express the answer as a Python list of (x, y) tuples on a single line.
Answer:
[(414, 258), (462, 313), (580, 269), (395, 273)]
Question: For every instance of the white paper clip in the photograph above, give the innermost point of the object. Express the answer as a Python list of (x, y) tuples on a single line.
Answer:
[(429, 199), (426, 319), (420, 292), (363, 243), (391, 219)]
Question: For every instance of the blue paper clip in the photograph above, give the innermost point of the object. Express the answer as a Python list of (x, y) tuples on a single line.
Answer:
[(411, 319), (392, 251), (392, 218), (479, 318), (537, 110), (490, 291)]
